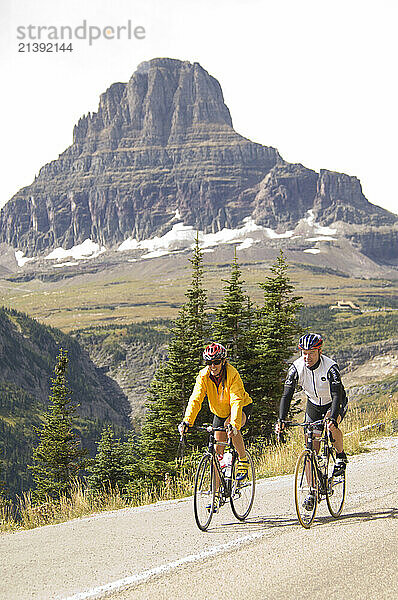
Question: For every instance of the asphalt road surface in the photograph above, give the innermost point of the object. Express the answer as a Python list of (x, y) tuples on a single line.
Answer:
[(158, 552)]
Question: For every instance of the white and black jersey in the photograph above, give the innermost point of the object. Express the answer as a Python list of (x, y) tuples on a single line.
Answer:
[(321, 384)]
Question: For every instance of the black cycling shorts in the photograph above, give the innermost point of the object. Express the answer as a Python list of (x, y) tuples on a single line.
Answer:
[(219, 421), (314, 412)]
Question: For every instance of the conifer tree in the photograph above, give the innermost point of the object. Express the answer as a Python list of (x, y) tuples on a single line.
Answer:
[(230, 325), (58, 458), (196, 318), (233, 326), (174, 380), (5, 502), (277, 331), (112, 466)]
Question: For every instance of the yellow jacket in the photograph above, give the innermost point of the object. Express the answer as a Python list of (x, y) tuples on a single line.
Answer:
[(227, 400)]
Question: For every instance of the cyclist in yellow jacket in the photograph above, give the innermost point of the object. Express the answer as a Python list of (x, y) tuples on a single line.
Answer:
[(229, 402)]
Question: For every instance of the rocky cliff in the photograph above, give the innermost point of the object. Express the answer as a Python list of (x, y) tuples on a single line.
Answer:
[(163, 145)]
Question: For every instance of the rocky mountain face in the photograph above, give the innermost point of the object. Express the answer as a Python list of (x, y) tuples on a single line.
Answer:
[(288, 191), (163, 145), (349, 359)]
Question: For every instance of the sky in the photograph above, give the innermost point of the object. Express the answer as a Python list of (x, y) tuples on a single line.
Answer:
[(314, 79)]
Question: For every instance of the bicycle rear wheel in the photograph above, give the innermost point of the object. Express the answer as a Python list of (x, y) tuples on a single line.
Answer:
[(242, 492), (335, 491), (305, 489), (204, 492)]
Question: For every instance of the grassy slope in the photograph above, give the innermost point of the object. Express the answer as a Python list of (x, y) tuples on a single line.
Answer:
[(128, 294)]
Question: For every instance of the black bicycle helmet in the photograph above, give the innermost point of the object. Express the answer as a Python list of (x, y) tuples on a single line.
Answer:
[(310, 341)]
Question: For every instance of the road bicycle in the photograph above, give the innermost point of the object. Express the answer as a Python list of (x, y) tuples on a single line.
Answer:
[(215, 484), (313, 475)]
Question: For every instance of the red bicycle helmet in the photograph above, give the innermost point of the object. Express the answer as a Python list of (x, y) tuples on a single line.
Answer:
[(214, 351)]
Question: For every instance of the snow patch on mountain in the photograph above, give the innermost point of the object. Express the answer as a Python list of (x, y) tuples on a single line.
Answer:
[(87, 249), (182, 237), (21, 258), (310, 220), (321, 238)]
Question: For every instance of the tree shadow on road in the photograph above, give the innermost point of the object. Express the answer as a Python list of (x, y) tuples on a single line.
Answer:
[(254, 524), (260, 523), (364, 515)]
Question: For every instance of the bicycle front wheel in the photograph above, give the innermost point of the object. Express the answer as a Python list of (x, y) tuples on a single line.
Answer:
[(305, 489), (204, 492), (335, 491), (242, 491)]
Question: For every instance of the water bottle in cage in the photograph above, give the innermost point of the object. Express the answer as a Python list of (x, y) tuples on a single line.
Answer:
[(321, 461), (226, 464)]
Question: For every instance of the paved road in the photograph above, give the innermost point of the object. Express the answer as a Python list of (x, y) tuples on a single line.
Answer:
[(157, 551)]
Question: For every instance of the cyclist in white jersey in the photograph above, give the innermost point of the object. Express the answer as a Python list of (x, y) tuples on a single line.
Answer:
[(319, 376)]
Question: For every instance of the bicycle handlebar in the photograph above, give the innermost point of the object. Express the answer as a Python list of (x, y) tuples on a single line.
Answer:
[(206, 427), (209, 428), (304, 424)]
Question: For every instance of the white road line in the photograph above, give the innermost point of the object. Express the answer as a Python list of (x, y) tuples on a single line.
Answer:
[(101, 591)]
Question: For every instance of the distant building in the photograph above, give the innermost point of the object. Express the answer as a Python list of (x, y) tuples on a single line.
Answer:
[(345, 305)]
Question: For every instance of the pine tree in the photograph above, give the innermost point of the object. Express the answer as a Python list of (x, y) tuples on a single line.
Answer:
[(196, 319), (113, 465), (277, 332), (58, 458), (174, 380), (230, 325), (6, 508), (233, 326)]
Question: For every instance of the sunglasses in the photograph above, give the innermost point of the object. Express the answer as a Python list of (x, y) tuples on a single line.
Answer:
[(216, 361)]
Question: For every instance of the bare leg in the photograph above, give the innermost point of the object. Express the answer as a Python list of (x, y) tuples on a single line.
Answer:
[(237, 439), (336, 434), (220, 436), (337, 437)]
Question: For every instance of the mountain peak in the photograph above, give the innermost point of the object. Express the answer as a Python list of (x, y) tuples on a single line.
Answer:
[(161, 144), (165, 101)]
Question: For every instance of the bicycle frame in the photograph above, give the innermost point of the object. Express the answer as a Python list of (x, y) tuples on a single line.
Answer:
[(313, 481), (324, 449), (325, 440), (212, 487), (225, 482)]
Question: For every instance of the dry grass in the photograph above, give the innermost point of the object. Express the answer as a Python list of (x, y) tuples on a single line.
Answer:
[(83, 502), (359, 428)]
